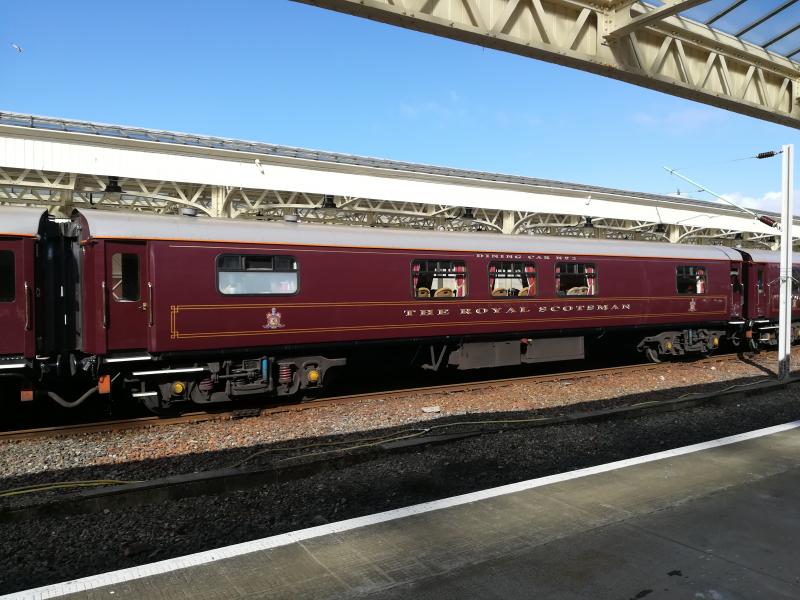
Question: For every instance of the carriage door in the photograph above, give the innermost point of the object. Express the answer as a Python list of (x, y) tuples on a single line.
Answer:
[(126, 299), (760, 295), (16, 298)]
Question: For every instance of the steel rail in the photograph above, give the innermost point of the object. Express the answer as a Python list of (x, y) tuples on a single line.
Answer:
[(202, 416), (238, 478)]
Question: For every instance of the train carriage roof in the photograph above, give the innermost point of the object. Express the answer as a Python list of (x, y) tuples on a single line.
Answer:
[(123, 226), (769, 256), (20, 221)]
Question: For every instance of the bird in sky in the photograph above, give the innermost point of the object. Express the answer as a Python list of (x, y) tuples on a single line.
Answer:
[(16, 47)]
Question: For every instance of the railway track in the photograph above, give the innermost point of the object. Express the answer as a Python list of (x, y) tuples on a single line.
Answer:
[(318, 459), (201, 416)]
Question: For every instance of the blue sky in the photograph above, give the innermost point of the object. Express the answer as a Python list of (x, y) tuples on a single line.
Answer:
[(282, 72)]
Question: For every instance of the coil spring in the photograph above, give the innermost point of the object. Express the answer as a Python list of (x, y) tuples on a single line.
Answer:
[(284, 372)]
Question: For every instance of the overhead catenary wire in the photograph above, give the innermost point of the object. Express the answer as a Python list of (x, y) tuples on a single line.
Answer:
[(769, 221)]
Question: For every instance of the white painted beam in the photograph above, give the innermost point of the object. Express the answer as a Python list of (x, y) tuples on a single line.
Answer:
[(698, 62), (217, 172), (654, 15)]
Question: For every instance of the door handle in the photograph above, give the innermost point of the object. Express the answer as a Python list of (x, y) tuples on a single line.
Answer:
[(149, 304), (104, 303), (143, 306), (28, 307)]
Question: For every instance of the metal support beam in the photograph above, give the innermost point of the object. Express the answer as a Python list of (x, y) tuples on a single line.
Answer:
[(56, 164), (657, 14), (660, 51), (785, 312)]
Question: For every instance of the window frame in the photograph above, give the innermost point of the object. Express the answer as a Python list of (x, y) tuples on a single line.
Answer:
[(512, 262), (437, 260), (243, 270), (695, 293), (122, 278), (557, 277), (13, 279)]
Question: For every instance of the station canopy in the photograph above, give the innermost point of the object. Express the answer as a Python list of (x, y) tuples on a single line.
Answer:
[(772, 24)]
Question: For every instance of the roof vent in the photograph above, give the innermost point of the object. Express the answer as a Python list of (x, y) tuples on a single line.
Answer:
[(290, 218), (189, 211)]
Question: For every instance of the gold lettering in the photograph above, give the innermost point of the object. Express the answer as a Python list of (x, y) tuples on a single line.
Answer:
[(626, 307), (481, 311), (443, 311), (466, 311), (542, 309), (409, 313), (511, 309), (567, 308), (497, 311), (602, 307), (555, 308), (524, 309), (426, 312)]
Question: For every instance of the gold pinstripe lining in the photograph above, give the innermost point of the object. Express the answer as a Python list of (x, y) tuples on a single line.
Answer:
[(176, 335)]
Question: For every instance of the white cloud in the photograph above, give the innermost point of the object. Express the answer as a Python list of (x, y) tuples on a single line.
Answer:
[(770, 201)]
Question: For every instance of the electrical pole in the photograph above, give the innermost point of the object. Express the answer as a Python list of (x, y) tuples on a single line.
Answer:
[(786, 226), (785, 313)]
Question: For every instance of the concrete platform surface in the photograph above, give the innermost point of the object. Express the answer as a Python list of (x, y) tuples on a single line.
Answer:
[(714, 521)]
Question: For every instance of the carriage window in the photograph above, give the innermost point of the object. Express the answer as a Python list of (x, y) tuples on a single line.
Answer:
[(7, 276), (439, 278), (795, 280), (125, 277), (509, 279), (256, 274), (760, 282), (576, 279), (691, 280)]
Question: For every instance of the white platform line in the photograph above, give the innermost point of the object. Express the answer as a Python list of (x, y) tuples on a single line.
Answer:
[(200, 558)]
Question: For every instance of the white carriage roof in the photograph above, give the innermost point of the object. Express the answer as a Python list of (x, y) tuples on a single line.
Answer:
[(119, 225), (16, 220), (768, 256), (102, 130)]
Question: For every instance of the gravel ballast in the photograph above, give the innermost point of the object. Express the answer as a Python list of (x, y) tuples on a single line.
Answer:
[(55, 549)]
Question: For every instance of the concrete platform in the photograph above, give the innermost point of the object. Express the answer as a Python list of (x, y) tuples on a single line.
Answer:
[(712, 521)]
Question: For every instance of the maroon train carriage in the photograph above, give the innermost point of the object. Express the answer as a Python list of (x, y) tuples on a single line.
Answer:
[(181, 309), (18, 234), (36, 263)]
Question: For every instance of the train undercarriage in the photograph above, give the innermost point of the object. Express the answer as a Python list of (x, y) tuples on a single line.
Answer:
[(165, 383)]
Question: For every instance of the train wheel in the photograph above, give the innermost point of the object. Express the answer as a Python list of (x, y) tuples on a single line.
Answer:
[(735, 339), (652, 354), (158, 407)]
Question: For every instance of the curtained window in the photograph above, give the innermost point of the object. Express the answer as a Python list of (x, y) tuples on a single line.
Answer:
[(576, 279), (508, 279), (439, 279)]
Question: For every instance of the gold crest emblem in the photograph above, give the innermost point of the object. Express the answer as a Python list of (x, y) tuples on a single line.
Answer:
[(273, 320)]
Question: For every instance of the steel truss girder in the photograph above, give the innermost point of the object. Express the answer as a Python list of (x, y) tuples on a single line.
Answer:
[(61, 192), (669, 54)]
